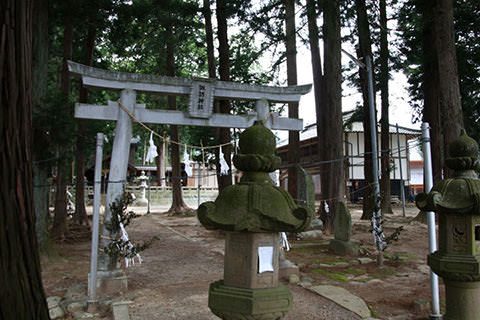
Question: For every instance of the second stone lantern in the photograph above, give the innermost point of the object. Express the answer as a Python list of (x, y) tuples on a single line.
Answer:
[(457, 202), (252, 213)]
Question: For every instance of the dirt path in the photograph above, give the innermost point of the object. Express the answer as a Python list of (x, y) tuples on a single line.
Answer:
[(173, 281)]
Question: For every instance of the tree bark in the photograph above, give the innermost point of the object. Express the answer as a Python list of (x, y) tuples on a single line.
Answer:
[(385, 187), (59, 228), (178, 206), (449, 89), (21, 291), (365, 50), (41, 169), (333, 177), (209, 39), (80, 215), (430, 87), (224, 71), (293, 154), (318, 88)]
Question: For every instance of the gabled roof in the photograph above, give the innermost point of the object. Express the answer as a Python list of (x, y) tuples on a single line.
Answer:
[(310, 131)]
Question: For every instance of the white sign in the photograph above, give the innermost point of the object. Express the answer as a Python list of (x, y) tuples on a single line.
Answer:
[(265, 259)]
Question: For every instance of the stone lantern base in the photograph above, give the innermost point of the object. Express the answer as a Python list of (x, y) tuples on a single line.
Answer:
[(232, 303), (250, 289), (462, 299)]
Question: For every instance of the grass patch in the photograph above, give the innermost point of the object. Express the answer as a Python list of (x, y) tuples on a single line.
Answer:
[(384, 273), (355, 271), (401, 256), (305, 249), (337, 276), (373, 313), (332, 260), (362, 279)]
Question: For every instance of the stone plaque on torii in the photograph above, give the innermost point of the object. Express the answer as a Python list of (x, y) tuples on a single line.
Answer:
[(202, 92)]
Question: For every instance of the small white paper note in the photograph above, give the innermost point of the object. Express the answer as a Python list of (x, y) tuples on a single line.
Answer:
[(265, 259)]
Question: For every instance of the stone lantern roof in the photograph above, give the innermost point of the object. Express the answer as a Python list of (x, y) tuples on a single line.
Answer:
[(460, 194), (255, 204)]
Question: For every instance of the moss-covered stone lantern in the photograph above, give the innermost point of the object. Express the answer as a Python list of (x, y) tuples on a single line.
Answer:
[(457, 202), (252, 213)]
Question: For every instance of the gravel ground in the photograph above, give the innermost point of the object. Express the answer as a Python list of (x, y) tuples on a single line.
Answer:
[(173, 281)]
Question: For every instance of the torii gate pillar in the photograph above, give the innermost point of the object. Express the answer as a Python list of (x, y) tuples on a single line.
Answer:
[(110, 277)]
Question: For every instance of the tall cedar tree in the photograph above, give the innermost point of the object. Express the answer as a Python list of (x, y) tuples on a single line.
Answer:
[(293, 153), (318, 85), (207, 14), (430, 87), (224, 72), (449, 89), (21, 290), (41, 169), (334, 172), (365, 50), (178, 205), (80, 215), (385, 187), (59, 228)]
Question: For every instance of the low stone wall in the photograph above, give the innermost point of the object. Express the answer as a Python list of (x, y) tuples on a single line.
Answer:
[(159, 196)]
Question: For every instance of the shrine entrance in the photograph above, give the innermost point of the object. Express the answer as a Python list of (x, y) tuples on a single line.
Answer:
[(202, 93)]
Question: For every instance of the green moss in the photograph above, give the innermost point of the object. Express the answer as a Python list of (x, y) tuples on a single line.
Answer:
[(355, 271), (337, 276), (333, 260), (373, 313), (304, 249), (363, 279), (401, 256), (384, 273)]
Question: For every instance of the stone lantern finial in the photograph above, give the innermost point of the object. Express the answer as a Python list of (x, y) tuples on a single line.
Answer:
[(463, 153)]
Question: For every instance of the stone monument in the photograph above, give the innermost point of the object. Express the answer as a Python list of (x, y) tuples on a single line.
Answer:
[(252, 213), (342, 224), (457, 202), (142, 201), (306, 188)]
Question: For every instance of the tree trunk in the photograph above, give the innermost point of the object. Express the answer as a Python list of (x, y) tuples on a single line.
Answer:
[(41, 169), (333, 177), (178, 206), (318, 89), (209, 39), (21, 291), (293, 154), (385, 187), (224, 71), (365, 50), (430, 86), (80, 215), (59, 229), (449, 90)]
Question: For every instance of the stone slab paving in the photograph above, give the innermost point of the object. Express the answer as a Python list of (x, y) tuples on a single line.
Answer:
[(344, 298)]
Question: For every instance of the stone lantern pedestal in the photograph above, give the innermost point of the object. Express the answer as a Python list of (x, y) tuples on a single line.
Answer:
[(248, 289), (462, 299), (252, 213)]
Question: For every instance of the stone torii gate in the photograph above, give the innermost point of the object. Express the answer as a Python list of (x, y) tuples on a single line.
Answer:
[(202, 93)]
